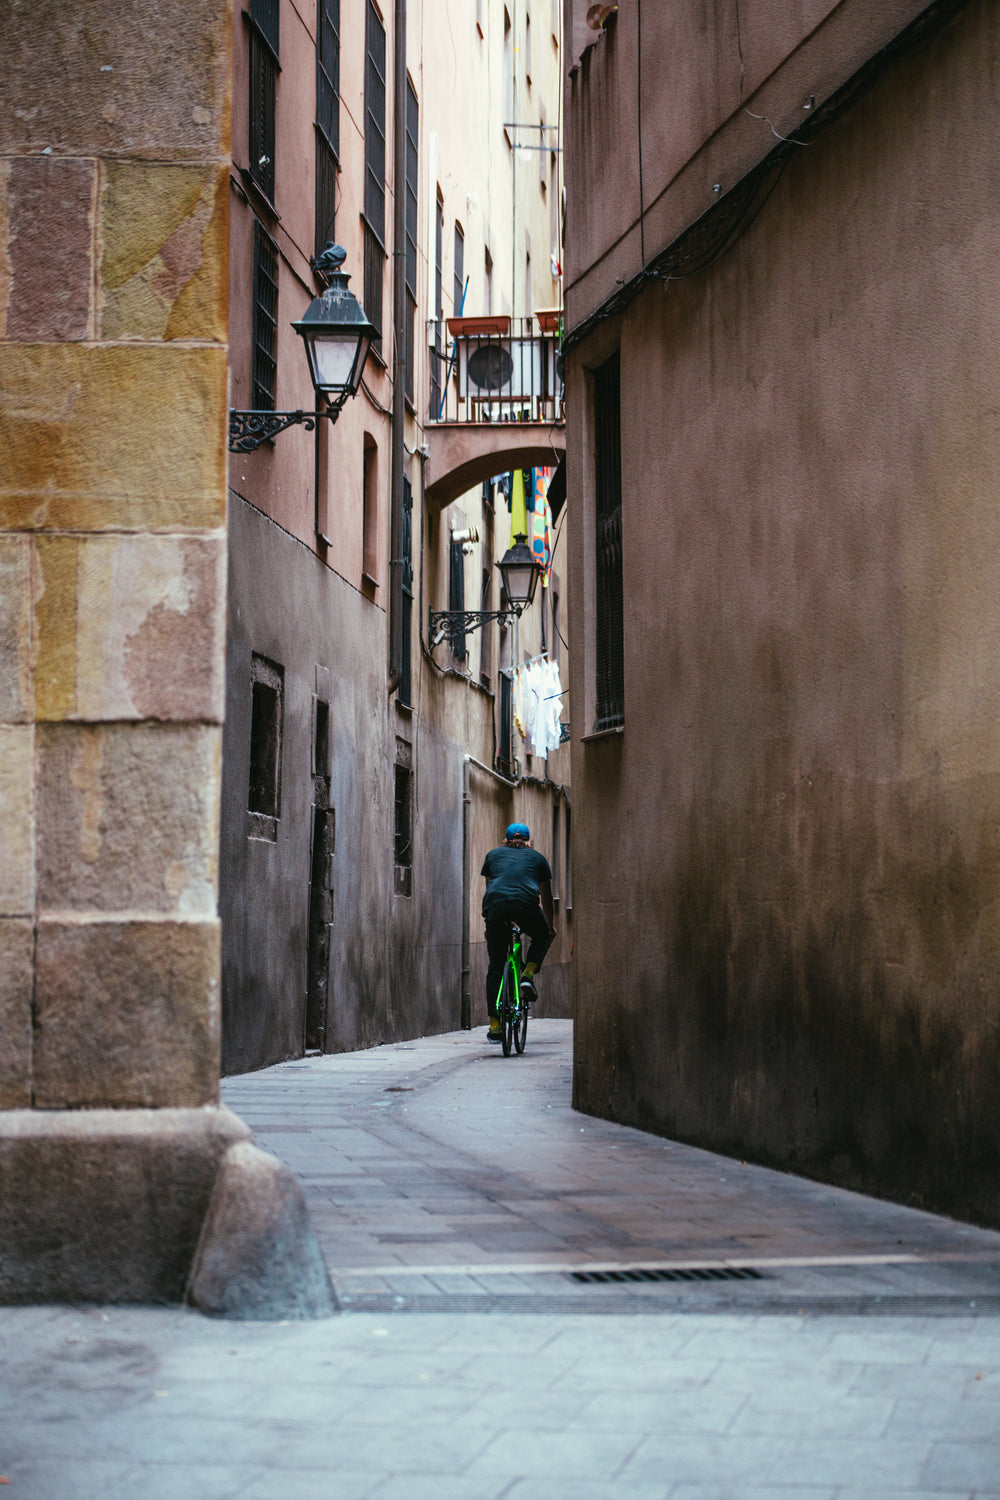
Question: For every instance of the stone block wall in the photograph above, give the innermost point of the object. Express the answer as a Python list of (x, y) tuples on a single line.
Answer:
[(113, 284)]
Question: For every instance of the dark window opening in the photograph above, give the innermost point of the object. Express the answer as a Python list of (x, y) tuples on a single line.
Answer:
[(412, 127), (263, 21), (374, 211), (486, 634), (556, 861), (610, 626), (505, 750), (456, 592), (265, 319), (375, 124), (369, 519), (404, 693), (266, 707), (327, 120), (437, 351), (374, 268), (321, 739), (403, 820)]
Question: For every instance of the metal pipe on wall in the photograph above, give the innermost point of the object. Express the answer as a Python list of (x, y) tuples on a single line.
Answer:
[(466, 1011)]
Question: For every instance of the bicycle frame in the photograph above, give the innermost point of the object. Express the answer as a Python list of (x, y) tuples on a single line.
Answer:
[(512, 1012)]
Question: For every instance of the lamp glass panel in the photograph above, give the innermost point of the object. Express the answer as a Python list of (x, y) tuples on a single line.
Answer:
[(333, 360), (519, 581)]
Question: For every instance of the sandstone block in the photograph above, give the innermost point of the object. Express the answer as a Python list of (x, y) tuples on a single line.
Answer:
[(163, 263), (126, 1014), (17, 948), (130, 628), (105, 1205), (50, 231), (137, 79), (16, 700), (106, 439), (17, 820), (128, 818), (258, 1256)]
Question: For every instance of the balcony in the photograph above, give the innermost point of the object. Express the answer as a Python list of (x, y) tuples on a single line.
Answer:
[(496, 399)]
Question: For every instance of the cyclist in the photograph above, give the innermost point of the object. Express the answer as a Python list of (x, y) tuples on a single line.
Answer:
[(518, 889)]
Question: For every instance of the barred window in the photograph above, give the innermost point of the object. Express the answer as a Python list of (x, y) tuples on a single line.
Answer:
[(505, 749), (456, 592), (610, 627), (412, 136), (437, 348), (374, 210), (327, 119), (405, 691), (262, 18), (265, 318)]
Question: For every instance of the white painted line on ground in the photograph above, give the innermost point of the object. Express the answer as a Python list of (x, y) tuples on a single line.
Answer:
[(539, 1266)]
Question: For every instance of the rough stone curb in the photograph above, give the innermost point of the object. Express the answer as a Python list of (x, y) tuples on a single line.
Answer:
[(258, 1256)]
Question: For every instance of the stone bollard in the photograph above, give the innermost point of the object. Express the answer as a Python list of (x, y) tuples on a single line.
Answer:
[(258, 1256)]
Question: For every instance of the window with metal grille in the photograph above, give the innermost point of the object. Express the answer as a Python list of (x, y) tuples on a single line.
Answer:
[(327, 119), (262, 19), (437, 348), (403, 840), (412, 137), (404, 693), (505, 749), (265, 318), (267, 686), (610, 626), (456, 592), (374, 165)]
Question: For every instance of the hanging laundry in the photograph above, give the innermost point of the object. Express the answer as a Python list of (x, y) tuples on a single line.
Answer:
[(538, 523), (518, 506), (517, 705)]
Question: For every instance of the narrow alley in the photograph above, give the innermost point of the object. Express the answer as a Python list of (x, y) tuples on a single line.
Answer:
[(461, 1202)]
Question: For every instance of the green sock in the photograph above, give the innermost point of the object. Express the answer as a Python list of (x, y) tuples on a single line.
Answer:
[(529, 970)]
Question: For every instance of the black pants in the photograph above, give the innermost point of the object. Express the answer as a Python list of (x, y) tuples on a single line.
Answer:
[(531, 919)]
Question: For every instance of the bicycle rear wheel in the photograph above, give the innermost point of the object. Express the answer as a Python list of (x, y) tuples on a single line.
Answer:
[(520, 1025), (506, 1008)]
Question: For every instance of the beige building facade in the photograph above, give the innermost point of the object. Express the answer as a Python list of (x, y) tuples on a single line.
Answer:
[(364, 767), (782, 378)]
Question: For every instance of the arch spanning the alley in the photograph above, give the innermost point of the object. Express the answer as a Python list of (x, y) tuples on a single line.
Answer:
[(463, 454)]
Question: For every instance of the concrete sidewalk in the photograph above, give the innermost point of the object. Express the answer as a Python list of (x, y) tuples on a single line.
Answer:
[(459, 1199)]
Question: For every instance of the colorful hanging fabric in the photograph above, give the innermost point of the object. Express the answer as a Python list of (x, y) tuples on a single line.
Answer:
[(518, 507), (538, 522)]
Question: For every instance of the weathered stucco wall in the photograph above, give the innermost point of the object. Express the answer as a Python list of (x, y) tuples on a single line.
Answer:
[(790, 860), (112, 560), (718, 85)]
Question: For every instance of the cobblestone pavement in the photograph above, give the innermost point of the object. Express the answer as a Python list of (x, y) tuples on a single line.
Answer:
[(465, 1211)]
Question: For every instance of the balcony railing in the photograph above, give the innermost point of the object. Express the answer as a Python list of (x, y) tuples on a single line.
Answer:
[(496, 369)]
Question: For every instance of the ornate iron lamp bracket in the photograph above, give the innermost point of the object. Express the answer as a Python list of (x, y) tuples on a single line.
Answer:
[(248, 429), (452, 624)]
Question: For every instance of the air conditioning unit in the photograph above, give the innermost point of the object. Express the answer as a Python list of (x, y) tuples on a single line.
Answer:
[(500, 369)]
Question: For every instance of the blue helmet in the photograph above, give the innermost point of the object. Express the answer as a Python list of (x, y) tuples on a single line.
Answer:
[(518, 831)]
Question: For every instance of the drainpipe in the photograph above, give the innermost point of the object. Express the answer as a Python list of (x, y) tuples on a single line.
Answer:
[(399, 350), (466, 1014)]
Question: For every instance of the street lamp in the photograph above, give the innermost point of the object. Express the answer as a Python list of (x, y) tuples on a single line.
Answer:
[(520, 572), (337, 336)]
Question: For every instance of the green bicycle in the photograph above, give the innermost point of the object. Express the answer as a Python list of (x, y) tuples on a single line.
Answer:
[(512, 1006)]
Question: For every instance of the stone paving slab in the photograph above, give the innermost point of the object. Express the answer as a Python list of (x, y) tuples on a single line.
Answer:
[(864, 1365)]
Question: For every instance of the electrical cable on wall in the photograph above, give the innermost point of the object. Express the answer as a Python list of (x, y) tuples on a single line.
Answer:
[(721, 226)]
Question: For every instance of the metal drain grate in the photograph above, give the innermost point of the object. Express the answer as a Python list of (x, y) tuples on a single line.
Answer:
[(646, 1274)]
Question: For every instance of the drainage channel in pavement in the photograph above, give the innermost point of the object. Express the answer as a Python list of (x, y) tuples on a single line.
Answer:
[(866, 1285)]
